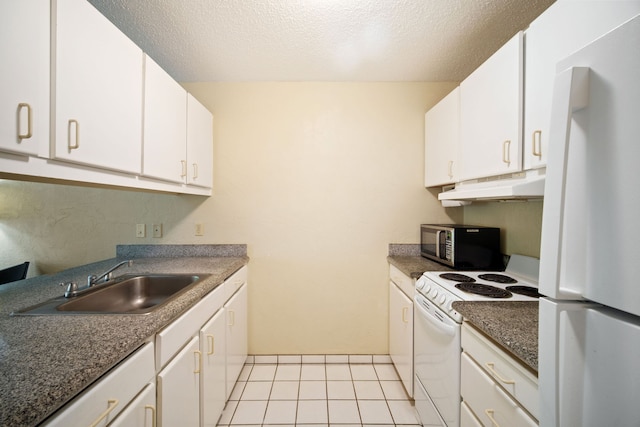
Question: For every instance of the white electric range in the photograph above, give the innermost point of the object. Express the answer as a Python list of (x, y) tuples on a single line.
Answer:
[(437, 329), (519, 282)]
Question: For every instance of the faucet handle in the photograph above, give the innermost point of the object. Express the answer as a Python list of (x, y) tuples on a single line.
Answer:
[(72, 289)]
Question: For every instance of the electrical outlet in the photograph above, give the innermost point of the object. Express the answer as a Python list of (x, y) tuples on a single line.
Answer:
[(141, 230), (199, 229), (157, 230)]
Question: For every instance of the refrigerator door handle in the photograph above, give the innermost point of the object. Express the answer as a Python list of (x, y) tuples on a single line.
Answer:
[(570, 94)]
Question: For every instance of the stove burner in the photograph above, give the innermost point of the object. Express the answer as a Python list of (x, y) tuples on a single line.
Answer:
[(498, 278), (457, 277), (484, 290), (529, 291)]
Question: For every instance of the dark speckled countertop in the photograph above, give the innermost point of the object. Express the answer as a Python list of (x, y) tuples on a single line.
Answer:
[(46, 360), (406, 257), (511, 324)]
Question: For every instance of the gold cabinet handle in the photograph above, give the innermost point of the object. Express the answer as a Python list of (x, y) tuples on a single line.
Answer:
[(75, 125), (29, 133), (491, 368), (232, 318), (211, 342), (405, 311), (489, 413), (506, 150), (536, 143), (184, 168), (198, 359), (153, 414), (112, 403), (195, 170)]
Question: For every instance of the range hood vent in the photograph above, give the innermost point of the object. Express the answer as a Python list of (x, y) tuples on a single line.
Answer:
[(517, 186)]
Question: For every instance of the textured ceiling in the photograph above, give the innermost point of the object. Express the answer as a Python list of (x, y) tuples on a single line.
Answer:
[(320, 40)]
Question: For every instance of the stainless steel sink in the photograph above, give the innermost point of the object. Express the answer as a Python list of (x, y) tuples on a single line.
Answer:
[(127, 294)]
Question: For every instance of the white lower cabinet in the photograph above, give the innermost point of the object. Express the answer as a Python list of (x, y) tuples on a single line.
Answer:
[(401, 289), (496, 389), (103, 401), (179, 388), (183, 379), (401, 335), (236, 336), (213, 378), (141, 412)]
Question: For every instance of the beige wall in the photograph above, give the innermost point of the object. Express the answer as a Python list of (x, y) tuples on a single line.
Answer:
[(317, 179), (520, 224)]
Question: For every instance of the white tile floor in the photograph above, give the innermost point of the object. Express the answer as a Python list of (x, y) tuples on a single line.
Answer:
[(319, 391)]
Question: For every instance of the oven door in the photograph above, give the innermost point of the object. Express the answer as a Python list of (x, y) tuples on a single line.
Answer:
[(437, 365)]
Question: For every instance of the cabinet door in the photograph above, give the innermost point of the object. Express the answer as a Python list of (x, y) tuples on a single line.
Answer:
[(179, 388), (165, 125), (141, 412), (561, 30), (98, 90), (441, 138), (491, 115), (236, 336), (24, 76), (213, 383), (401, 335), (199, 144)]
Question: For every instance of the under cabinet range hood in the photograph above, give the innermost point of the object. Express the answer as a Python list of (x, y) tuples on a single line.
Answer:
[(522, 185)]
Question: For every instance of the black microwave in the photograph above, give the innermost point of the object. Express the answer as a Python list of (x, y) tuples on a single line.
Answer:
[(463, 247)]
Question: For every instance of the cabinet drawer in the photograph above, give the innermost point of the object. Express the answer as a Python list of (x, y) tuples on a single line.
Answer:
[(108, 397), (467, 417), (404, 282), (490, 404), (172, 338), (517, 380), (233, 283), (140, 412)]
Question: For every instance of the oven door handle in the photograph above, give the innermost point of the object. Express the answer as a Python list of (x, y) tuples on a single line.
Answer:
[(442, 326)]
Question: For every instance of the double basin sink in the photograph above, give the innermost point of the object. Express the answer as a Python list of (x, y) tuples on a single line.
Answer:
[(126, 294)]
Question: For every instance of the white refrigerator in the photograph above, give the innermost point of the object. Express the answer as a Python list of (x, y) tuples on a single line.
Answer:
[(589, 324)]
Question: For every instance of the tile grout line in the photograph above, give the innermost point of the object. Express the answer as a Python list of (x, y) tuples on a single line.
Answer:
[(377, 380)]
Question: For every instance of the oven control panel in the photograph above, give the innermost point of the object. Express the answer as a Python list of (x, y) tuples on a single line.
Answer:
[(439, 296)]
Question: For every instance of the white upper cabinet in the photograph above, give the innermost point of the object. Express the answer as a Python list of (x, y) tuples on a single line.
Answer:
[(441, 136), (561, 30), (199, 157), (97, 79), (165, 125), (24, 76), (491, 115)]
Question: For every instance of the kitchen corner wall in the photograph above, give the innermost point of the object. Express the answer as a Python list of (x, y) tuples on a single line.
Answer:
[(316, 178)]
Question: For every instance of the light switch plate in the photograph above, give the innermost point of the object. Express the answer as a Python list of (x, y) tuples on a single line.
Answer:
[(199, 229), (141, 230), (157, 230)]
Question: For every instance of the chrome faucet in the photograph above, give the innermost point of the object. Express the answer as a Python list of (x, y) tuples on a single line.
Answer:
[(93, 280), (72, 289)]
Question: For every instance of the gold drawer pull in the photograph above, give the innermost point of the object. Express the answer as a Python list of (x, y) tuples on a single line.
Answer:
[(112, 404), (489, 413), (491, 368)]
